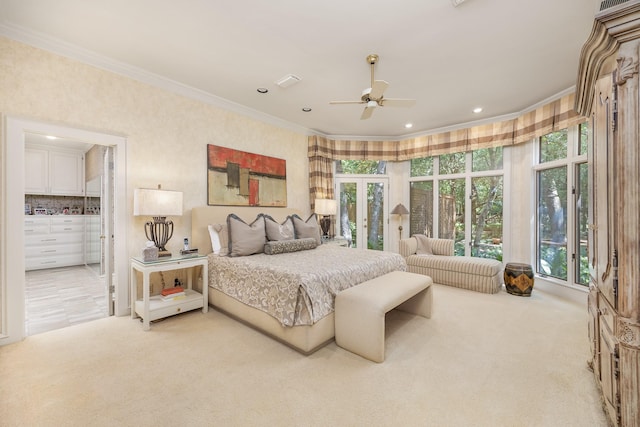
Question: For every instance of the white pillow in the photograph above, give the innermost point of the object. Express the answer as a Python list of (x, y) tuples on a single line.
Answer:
[(219, 239)]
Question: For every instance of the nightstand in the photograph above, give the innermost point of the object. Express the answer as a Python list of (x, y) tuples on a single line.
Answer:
[(154, 307)]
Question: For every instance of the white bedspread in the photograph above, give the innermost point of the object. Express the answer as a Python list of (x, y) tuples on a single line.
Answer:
[(298, 288)]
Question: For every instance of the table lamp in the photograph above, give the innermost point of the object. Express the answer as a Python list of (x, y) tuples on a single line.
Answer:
[(158, 204), (326, 208)]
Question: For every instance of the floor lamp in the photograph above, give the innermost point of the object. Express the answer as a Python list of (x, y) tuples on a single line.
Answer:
[(400, 210)]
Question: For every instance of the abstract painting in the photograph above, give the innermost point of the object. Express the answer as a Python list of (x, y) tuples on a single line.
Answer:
[(238, 178)]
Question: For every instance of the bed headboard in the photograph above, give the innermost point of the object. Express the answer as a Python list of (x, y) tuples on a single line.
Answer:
[(202, 216)]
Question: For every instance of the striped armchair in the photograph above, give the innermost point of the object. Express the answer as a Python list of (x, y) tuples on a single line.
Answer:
[(476, 274)]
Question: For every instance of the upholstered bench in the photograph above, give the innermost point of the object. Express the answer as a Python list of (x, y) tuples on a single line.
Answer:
[(360, 310), (476, 274)]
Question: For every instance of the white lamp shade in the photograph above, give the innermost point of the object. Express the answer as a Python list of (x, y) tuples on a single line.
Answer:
[(326, 206), (157, 202)]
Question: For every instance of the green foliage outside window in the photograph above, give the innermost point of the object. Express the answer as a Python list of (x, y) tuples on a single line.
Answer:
[(361, 167), (452, 163), (422, 166), (553, 146), (486, 159)]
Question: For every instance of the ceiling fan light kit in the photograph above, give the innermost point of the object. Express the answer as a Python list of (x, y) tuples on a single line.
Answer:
[(373, 96)]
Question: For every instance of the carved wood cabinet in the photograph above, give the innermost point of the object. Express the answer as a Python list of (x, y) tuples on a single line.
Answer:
[(608, 92)]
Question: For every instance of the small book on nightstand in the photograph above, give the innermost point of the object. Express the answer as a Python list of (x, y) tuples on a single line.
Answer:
[(172, 291), (174, 297)]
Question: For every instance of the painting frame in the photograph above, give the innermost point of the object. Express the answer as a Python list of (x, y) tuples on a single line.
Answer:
[(240, 178)]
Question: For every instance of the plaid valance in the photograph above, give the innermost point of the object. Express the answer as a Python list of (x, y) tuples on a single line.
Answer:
[(551, 117), (555, 116)]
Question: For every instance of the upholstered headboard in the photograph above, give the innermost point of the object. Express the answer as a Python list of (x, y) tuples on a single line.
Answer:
[(202, 216)]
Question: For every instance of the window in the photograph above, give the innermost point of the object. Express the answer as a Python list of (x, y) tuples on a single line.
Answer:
[(562, 205), (422, 167), (552, 222), (553, 146), (468, 208), (361, 167), (362, 191)]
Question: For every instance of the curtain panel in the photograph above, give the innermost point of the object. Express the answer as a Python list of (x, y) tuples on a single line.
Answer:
[(551, 117)]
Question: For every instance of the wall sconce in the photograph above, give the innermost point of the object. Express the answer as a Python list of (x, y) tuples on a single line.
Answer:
[(158, 204), (327, 208), (400, 210)]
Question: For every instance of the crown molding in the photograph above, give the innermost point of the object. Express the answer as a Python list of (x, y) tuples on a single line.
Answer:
[(86, 56)]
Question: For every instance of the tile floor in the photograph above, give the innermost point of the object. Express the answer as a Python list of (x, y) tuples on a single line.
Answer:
[(59, 297)]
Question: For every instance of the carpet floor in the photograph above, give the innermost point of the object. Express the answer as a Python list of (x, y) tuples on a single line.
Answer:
[(481, 360)]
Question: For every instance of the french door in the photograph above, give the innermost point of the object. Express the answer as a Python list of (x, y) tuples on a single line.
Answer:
[(363, 215)]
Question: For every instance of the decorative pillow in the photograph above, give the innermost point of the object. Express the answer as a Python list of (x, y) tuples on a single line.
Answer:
[(277, 231), (283, 246), (424, 245), (246, 239), (219, 235), (308, 228)]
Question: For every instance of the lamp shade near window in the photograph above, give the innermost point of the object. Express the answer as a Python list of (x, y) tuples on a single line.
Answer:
[(157, 204), (326, 208), (400, 210)]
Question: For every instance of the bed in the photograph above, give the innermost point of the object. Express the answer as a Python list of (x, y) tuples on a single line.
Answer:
[(287, 296)]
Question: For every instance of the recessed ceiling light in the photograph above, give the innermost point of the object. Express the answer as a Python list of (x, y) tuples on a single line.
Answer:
[(477, 110), (263, 90), (408, 125), (51, 137), (306, 109)]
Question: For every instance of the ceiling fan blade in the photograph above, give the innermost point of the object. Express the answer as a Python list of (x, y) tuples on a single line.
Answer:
[(384, 102), (378, 88), (346, 102), (366, 113), (368, 110)]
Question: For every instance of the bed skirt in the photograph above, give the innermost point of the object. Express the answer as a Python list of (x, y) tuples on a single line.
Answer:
[(304, 338)]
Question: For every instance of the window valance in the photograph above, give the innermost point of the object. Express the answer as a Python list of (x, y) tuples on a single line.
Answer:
[(555, 116), (551, 117)]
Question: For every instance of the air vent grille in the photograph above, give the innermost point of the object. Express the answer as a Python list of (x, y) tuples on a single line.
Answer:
[(606, 4)]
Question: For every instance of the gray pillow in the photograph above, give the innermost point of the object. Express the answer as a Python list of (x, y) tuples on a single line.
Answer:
[(285, 246), (246, 239), (277, 231), (308, 228)]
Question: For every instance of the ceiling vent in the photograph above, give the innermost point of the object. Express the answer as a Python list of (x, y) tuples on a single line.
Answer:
[(288, 80), (606, 4), (456, 2)]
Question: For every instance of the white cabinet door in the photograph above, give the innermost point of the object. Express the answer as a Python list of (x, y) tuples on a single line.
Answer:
[(52, 172), (36, 171), (66, 175)]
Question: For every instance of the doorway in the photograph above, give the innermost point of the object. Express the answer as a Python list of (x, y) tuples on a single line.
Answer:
[(364, 214), (68, 207), (12, 237)]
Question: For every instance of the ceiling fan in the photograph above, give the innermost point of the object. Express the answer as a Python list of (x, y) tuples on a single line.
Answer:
[(373, 97)]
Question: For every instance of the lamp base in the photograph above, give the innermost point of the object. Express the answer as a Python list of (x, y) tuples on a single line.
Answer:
[(163, 254)]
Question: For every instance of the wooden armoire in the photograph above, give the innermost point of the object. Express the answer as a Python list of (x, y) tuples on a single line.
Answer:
[(608, 93)]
